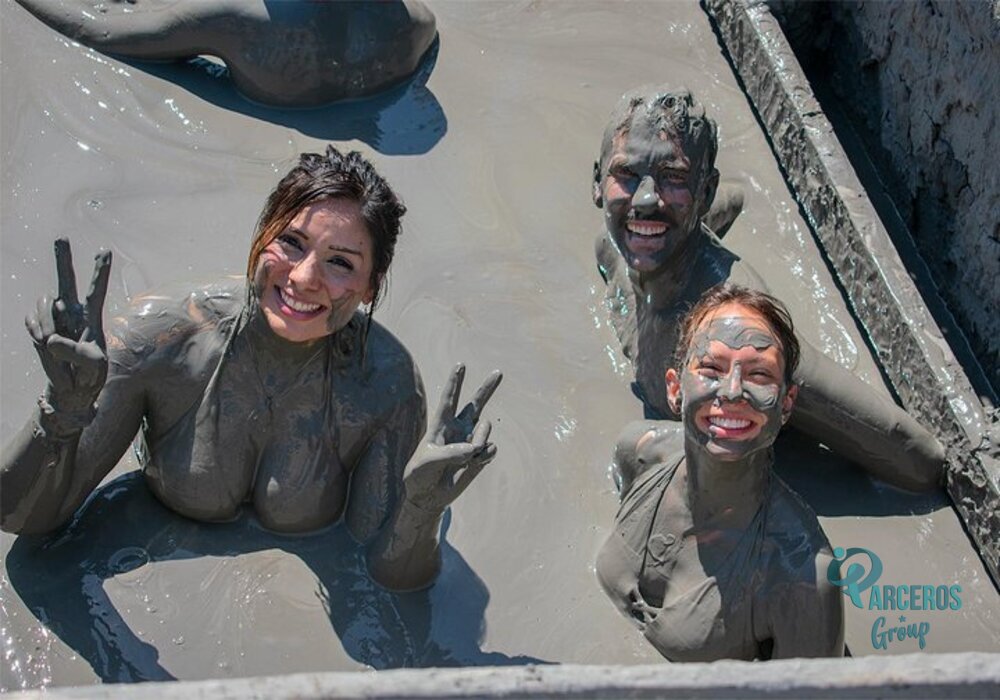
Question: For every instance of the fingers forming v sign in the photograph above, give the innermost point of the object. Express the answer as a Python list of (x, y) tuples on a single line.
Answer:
[(451, 425), (457, 446), (68, 335)]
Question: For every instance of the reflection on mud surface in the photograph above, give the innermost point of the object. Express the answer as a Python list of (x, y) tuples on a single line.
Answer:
[(94, 580)]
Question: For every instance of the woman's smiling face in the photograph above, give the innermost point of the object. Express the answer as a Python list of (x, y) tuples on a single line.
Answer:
[(316, 273), (732, 392)]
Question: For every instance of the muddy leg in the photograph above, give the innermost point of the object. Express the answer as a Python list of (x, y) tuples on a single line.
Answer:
[(726, 207)]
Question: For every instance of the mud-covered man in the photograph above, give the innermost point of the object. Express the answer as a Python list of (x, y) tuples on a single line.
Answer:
[(656, 182)]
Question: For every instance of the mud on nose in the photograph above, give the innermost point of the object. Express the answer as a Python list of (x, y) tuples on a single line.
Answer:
[(732, 388), (645, 199)]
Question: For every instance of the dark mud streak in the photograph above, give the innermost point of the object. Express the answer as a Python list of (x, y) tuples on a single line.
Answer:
[(909, 344)]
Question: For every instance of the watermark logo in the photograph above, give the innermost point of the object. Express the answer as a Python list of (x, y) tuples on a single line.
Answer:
[(854, 583), (856, 571)]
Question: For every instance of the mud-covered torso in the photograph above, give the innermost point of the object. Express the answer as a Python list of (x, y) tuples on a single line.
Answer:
[(647, 327), (234, 416), (714, 594)]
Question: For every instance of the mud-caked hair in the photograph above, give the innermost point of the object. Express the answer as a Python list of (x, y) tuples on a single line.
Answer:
[(769, 308), (672, 111), (334, 175)]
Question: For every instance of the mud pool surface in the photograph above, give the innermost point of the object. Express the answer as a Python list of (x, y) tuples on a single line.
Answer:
[(167, 166)]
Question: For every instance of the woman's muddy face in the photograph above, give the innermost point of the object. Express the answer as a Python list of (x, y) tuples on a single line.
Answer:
[(653, 195), (732, 391), (317, 272)]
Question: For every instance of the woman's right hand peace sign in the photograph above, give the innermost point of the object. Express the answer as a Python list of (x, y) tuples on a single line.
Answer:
[(455, 449), (69, 339)]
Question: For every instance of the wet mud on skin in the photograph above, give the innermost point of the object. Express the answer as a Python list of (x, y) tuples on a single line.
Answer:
[(493, 156), (277, 53)]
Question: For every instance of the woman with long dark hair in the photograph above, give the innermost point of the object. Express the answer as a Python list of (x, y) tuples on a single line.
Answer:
[(279, 395)]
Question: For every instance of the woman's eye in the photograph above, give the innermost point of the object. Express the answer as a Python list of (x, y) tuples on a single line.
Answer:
[(342, 263), (289, 240)]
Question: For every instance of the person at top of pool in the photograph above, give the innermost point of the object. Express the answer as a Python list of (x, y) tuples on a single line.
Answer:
[(277, 394), (293, 53), (656, 181), (711, 553)]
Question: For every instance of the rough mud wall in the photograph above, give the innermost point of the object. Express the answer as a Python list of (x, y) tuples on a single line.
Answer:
[(910, 346), (921, 81)]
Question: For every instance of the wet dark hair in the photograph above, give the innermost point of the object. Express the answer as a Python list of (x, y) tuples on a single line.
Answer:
[(769, 308), (334, 175), (674, 111)]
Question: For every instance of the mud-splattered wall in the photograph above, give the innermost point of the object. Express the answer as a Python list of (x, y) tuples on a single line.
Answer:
[(921, 82)]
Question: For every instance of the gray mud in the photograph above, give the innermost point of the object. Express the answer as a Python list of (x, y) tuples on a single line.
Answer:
[(168, 167)]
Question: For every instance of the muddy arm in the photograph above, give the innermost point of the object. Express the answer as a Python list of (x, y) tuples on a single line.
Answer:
[(854, 421), (406, 553), (46, 476), (644, 444), (377, 481), (84, 420), (850, 418), (727, 205)]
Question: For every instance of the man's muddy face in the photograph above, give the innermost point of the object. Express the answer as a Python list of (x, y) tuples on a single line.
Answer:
[(654, 194)]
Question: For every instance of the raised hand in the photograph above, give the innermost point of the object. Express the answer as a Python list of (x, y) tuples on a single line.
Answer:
[(456, 447), (69, 339)]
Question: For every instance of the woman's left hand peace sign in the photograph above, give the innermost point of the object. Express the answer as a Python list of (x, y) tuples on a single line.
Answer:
[(455, 449)]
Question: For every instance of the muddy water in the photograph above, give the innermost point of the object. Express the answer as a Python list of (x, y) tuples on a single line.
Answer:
[(168, 167)]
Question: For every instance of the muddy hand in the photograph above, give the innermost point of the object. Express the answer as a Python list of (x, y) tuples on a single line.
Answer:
[(642, 613), (69, 336), (455, 449)]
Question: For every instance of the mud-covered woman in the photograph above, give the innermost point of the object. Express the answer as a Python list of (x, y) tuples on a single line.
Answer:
[(711, 553), (280, 395)]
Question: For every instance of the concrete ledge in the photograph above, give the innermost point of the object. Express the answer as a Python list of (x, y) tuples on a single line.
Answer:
[(969, 675), (910, 346)]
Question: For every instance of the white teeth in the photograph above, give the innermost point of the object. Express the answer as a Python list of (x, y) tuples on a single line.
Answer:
[(646, 228), (299, 306), (729, 423)]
